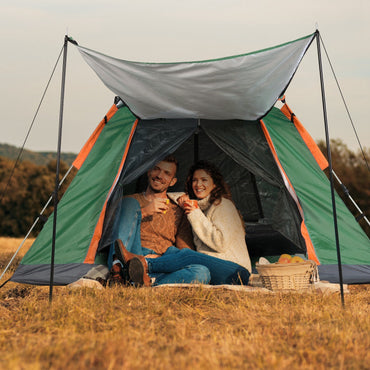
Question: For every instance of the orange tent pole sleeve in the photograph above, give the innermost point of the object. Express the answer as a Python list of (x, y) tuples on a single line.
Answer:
[(311, 254), (309, 246), (80, 159), (90, 257), (311, 145)]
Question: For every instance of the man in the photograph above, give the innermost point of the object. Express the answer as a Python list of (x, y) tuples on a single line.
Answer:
[(150, 224)]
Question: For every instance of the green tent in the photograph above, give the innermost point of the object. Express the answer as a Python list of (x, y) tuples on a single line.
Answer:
[(221, 110)]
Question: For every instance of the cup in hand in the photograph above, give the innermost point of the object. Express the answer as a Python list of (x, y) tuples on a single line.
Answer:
[(167, 201), (191, 203)]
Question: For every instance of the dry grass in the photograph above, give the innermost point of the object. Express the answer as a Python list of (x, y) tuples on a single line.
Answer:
[(8, 247), (181, 328)]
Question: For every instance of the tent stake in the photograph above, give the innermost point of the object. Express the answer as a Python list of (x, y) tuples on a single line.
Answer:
[(330, 167), (57, 168)]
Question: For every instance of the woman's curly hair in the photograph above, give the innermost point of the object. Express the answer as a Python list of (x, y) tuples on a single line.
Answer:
[(221, 189)]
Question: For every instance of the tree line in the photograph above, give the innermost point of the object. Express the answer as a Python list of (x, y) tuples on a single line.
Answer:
[(352, 168), (40, 158), (24, 191), (31, 186)]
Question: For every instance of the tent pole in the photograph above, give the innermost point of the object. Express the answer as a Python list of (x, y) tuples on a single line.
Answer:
[(330, 167), (57, 168), (348, 195), (196, 143)]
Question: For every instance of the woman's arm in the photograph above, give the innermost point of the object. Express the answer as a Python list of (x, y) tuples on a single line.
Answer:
[(217, 230)]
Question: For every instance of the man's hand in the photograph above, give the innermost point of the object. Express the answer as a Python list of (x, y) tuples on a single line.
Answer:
[(157, 205)]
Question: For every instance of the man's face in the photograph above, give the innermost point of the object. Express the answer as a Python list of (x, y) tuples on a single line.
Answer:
[(162, 176)]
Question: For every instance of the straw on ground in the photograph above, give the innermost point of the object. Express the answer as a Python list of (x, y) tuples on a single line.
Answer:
[(181, 328)]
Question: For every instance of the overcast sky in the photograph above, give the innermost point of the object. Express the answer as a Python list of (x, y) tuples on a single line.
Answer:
[(32, 35)]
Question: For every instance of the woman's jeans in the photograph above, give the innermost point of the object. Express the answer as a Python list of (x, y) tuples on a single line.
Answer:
[(127, 228), (221, 271)]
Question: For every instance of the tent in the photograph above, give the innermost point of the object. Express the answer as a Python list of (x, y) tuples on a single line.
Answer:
[(222, 110)]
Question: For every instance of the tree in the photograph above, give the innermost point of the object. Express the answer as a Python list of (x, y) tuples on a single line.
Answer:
[(29, 189), (351, 169)]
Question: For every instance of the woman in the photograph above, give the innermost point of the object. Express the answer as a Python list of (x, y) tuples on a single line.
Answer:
[(217, 225), (218, 232)]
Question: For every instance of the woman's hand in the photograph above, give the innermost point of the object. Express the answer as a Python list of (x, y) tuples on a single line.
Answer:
[(190, 205), (182, 199), (187, 204)]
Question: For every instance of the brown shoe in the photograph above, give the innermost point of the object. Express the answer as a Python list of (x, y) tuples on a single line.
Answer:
[(138, 271), (122, 253), (116, 275)]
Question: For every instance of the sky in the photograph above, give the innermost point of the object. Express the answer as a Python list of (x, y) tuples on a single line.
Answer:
[(32, 36)]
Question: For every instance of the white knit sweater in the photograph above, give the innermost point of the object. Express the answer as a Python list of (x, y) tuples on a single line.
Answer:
[(218, 231)]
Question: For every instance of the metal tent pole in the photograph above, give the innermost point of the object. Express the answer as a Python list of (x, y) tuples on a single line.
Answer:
[(57, 167), (330, 167), (196, 144), (348, 195)]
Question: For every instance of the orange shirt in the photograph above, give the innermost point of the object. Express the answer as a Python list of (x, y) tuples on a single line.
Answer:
[(163, 230)]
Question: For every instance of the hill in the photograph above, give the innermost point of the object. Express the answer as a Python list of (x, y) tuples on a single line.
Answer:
[(39, 158)]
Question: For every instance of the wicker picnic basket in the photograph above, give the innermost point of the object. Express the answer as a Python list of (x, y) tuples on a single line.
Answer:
[(288, 276)]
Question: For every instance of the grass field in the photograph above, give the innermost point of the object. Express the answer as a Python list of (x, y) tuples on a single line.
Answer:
[(179, 328)]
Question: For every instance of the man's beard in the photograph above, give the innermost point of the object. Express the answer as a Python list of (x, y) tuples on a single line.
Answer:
[(156, 190)]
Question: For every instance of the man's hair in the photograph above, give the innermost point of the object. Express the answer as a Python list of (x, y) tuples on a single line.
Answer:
[(171, 159)]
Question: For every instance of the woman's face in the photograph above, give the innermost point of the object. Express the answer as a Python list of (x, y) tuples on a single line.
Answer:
[(202, 184)]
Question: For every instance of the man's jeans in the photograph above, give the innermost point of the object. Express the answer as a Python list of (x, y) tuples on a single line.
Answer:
[(127, 228), (222, 271)]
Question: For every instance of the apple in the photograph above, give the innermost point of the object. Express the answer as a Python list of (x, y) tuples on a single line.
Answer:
[(285, 258), (296, 259)]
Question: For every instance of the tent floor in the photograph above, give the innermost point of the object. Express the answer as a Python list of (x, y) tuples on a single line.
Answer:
[(263, 240), (254, 286)]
